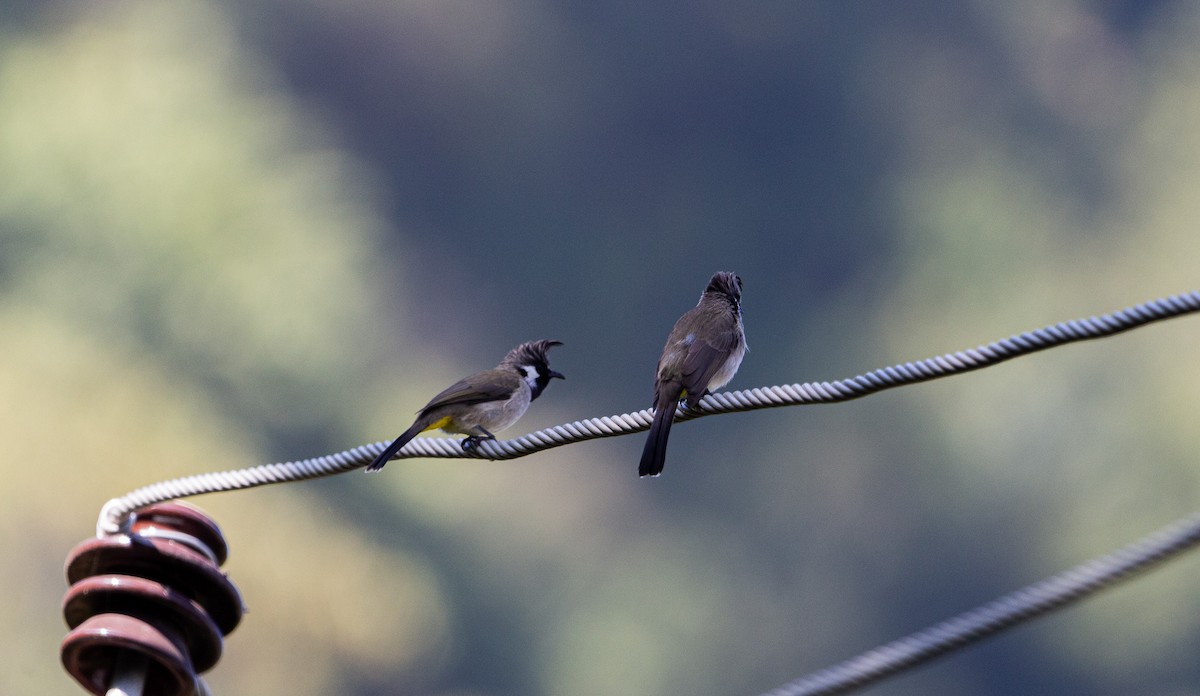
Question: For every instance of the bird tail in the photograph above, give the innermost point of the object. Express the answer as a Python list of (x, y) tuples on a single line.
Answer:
[(654, 456), (393, 448)]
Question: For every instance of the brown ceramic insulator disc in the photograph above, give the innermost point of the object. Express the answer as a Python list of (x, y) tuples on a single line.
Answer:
[(152, 602), (92, 651), (167, 562), (186, 519)]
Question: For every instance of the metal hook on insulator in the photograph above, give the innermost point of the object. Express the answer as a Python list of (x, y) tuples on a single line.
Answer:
[(148, 608)]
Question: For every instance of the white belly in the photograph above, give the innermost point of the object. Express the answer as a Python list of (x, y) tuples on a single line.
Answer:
[(729, 369), (492, 416)]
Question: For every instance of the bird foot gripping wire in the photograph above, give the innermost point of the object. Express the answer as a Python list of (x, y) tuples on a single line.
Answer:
[(148, 606)]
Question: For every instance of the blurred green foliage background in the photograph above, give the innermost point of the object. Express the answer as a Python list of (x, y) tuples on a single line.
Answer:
[(238, 233)]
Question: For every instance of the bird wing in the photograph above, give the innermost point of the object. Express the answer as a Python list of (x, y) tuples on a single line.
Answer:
[(702, 362), (697, 356), (492, 385)]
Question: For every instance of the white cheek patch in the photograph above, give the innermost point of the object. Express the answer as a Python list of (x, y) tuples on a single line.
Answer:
[(531, 374)]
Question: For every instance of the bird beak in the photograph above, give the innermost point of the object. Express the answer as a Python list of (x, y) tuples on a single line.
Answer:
[(557, 374)]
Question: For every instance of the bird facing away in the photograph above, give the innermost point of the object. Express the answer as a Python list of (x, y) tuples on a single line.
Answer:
[(703, 353), (487, 401)]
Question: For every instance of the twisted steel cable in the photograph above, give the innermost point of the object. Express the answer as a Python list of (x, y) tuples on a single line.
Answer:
[(116, 513), (973, 626)]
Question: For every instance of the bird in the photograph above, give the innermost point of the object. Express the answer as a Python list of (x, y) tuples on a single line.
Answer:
[(703, 352), (483, 402)]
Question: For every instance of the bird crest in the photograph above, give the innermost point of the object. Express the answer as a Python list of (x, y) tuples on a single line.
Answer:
[(531, 353), (726, 283)]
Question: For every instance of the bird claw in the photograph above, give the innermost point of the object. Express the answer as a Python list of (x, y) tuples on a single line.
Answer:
[(472, 441)]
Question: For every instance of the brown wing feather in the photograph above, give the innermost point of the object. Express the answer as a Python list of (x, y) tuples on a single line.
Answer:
[(701, 359), (492, 385)]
